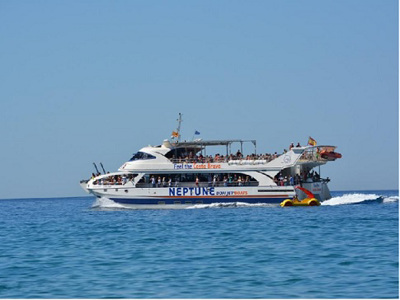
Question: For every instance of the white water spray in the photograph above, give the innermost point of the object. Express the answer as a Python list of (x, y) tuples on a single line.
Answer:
[(357, 198), (104, 202)]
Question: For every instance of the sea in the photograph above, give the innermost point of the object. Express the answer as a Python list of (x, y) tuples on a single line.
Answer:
[(86, 248)]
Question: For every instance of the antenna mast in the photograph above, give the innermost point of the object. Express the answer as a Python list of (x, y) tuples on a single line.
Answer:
[(179, 126), (176, 134)]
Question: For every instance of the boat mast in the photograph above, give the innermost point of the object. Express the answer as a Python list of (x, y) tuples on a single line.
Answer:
[(179, 126), (177, 134)]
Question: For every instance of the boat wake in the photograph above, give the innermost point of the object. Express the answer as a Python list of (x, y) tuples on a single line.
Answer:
[(107, 204), (358, 198), (230, 205), (104, 203)]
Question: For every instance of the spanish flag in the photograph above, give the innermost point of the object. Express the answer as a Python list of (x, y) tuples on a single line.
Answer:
[(312, 142), (175, 134)]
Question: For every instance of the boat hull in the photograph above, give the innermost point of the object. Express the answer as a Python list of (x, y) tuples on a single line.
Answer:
[(186, 197)]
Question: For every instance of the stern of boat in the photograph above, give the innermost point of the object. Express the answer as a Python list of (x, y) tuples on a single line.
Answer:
[(320, 189)]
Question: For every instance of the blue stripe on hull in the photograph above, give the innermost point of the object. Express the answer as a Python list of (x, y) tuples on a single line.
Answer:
[(144, 201)]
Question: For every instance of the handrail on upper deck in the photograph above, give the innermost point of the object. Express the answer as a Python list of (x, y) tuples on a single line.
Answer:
[(312, 153), (203, 144)]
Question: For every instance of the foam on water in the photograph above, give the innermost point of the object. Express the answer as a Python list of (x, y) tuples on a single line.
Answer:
[(104, 202), (229, 205), (357, 198), (391, 199)]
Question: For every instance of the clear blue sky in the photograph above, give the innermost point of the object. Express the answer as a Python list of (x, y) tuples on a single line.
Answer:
[(94, 81)]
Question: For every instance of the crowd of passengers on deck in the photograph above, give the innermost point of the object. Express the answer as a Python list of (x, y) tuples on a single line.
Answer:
[(298, 179), (203, 180), (113, 179), (191, 158), (210, 180), (194, 158)]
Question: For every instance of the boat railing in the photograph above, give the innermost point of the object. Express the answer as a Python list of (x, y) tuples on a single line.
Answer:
[(312, 154), (200, 184), (230, 161)]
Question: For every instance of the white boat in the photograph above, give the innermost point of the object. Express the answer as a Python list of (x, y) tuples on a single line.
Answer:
[(181, 174)]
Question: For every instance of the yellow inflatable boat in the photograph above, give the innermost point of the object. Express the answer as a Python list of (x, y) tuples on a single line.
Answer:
[(304, 202), (309, 201)]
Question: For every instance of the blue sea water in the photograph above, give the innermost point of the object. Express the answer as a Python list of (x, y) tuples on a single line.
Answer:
[(70, 248)]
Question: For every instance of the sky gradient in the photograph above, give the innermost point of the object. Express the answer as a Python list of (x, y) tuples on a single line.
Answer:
[(94, 81)]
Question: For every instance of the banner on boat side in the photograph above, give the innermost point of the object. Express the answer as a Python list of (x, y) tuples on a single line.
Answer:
[(197, 166), (203, 191)]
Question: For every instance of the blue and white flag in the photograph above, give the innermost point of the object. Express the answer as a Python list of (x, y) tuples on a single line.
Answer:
[(196, 132)]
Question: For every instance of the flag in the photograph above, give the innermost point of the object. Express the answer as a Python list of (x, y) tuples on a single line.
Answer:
[(175, 134), (312, 142), (196, 132)]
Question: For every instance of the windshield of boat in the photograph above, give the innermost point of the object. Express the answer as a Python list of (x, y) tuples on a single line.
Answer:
[(141, 155)]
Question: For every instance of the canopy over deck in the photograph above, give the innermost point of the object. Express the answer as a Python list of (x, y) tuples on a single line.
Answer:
[(202, 144)]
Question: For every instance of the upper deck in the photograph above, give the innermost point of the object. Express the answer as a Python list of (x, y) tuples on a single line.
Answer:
[(197, 155)]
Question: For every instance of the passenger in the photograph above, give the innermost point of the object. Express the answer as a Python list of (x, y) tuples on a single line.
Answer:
[(197, 181), (291, 180), (280, 179), (170, 182), (230, 180), (240, 181), (291, 146), (297, 179), (164, 182), (159, 181), (124, 179), (298, 144), (153, 181), (214, 182), (316, 177), (209, 180), (225, 181)]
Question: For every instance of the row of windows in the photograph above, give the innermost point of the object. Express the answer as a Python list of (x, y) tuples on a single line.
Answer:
[(202, 177)]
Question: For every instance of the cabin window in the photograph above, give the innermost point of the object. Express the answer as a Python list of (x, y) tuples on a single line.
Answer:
[(141, 155)]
